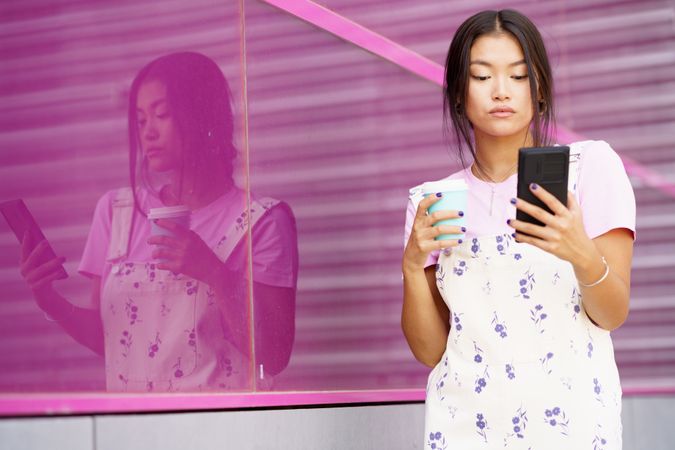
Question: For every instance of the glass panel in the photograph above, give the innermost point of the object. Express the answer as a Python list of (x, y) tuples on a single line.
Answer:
[(67, 79), (340, 134)]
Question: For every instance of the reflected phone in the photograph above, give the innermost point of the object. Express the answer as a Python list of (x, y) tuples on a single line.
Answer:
[(20, 220), (549, 168)]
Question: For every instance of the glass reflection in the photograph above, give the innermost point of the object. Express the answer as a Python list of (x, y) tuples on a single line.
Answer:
[(168, 256)]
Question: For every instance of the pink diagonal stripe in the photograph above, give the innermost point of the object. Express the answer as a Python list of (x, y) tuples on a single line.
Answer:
[(379, 45)]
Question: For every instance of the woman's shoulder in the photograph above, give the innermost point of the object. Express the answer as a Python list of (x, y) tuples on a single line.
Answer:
[(595, 149)]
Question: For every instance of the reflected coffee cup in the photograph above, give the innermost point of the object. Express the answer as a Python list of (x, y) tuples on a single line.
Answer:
[(179, 215), (454, 198)]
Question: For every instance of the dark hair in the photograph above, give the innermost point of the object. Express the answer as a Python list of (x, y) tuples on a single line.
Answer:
[(199, 98), (457, 74)]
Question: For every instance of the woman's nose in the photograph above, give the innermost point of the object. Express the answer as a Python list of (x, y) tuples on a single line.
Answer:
[(500, 89), (149, 131)]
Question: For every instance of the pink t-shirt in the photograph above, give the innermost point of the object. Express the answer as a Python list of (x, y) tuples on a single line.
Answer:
[(274, 239), (604, 194)]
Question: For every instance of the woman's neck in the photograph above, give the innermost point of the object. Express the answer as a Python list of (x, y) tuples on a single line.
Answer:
[(193, 192), (498, 156)]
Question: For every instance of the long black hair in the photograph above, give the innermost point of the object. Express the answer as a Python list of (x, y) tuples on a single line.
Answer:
[(457, 75), (199, 98)]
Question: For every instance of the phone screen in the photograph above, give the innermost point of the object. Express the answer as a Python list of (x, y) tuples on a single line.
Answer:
[(549, 168), (21, 221)]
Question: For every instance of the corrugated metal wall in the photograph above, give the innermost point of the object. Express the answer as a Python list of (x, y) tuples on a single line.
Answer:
[(340, 135)]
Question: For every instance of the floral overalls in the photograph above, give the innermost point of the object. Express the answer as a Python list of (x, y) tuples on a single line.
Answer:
[(524, 368), (165, 332)]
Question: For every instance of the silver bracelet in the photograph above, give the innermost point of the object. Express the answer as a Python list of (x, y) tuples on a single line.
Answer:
[(602, 278)]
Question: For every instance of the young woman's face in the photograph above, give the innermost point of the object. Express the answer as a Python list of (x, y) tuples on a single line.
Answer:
[(498, 100), (158, 131)]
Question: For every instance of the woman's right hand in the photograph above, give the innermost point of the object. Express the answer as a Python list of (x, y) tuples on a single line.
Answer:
[(421, 241), (36, 268)]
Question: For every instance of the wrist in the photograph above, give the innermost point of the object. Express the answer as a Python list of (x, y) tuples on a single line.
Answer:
[(590, 268)]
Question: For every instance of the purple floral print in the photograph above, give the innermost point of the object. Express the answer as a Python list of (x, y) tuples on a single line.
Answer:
[(499, 327), (460, 268), (153, 347), (544, 362), (436, 441), (178, 372), (457, 322), (556, 418), (481, 382), (440, 277), (475, 248), (537, 315), (482, 426), (510, 371), (132, 311), (597, 390), (126, 341), (518, 426), (525, 285)]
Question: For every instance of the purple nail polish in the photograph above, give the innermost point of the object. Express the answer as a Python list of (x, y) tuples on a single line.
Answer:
[(463, 229), (533, 186), (513, 235), (513, 201), (439, 194), (508, 221), (460, 214), (459, 241)]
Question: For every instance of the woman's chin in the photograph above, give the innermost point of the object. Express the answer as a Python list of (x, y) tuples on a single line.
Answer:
[(160, 166)]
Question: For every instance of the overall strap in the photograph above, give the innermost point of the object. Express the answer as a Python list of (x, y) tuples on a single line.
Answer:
[(237, 230), (120, 232)]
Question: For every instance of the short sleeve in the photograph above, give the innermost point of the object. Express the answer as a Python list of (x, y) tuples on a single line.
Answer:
[(605, 196), (96, 248), (411, 211), (275, 248)]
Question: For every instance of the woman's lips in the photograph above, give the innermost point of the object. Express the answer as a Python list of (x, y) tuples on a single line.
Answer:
[(502, 111), (153, 151)]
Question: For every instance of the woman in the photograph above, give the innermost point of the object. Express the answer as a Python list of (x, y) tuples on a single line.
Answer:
[(515, 318), (173, 309)]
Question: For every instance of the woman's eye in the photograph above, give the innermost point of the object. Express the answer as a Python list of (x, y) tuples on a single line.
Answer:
[(480, 78), (141, 123), (519, 77)]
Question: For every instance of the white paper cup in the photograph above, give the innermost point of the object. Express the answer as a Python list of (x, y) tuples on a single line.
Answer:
[(177, 214), (455, 194)]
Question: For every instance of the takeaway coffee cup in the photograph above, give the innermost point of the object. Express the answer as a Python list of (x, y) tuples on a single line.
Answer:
[(177, 214), (455, 193)]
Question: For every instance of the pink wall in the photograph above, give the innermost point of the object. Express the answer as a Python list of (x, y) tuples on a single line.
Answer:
[(338, 133)]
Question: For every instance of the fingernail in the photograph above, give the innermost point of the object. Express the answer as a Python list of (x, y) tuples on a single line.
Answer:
[(513, 235), (513, 201), (533, 186), (460, 214), (439, 194), (459, 241), (508, 221), (463, 229)]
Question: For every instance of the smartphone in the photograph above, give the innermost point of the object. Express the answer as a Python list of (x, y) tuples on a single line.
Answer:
[(549, 168), (20, 220)]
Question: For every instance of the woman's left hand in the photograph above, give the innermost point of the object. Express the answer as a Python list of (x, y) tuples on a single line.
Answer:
[(184, 252), (564, 234)]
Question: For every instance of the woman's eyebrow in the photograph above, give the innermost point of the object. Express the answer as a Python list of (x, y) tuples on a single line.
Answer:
[(481, 62), (155, 104)]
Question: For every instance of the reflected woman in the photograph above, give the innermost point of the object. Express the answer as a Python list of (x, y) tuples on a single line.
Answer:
[(173, 311)]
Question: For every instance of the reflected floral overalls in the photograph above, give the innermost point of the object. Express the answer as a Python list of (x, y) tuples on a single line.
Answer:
[(166, 332), (524, 368)]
